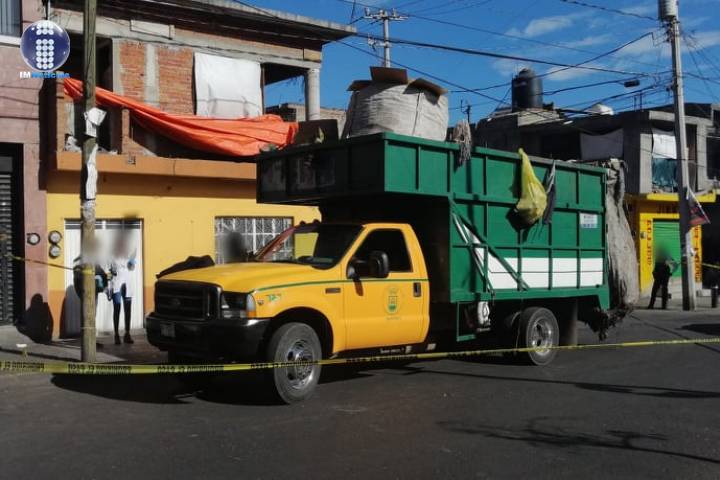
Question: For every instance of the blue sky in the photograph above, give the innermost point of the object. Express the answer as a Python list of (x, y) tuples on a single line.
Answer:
[(545, 29)]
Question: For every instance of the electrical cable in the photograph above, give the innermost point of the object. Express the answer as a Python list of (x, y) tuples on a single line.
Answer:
[(608, 9)]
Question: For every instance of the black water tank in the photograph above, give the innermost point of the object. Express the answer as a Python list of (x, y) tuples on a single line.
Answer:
[(526, 90)]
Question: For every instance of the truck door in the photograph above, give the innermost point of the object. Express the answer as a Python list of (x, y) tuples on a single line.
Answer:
[(385, 311)]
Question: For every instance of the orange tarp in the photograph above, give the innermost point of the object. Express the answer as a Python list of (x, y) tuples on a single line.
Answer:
[(236, 137)]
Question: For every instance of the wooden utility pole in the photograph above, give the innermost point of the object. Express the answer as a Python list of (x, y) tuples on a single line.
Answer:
[(87, 188), (668, 12)]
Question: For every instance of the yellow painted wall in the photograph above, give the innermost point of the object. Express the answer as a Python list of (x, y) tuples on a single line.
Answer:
[(178, 217), (644, 213)]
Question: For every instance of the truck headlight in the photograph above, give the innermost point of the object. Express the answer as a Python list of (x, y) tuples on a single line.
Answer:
[(237, 305)]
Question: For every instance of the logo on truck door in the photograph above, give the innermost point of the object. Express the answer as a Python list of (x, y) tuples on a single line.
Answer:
[(392, 302)]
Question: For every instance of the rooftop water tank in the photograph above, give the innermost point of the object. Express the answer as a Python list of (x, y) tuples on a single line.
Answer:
[(600, 109), (526, 90)]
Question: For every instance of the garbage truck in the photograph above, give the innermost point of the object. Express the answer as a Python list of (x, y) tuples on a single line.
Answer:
[(417, 247)]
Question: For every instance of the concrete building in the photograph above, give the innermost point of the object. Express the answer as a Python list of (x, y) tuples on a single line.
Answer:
[(295, 112), (644, 139), (169, 200)]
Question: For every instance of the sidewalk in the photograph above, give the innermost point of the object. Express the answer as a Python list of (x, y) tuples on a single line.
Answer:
[(14, 344), (702, 304)]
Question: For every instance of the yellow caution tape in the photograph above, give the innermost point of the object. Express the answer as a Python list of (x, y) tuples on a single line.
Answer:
[(39, 262), (78, 368)]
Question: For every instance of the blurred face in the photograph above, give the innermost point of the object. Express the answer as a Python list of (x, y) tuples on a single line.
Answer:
[(121, 245)]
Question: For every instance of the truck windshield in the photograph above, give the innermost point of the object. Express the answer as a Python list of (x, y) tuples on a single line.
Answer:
[(316, 244)]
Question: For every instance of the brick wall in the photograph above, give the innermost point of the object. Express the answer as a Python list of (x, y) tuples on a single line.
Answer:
[(175, 70), (132, 69)]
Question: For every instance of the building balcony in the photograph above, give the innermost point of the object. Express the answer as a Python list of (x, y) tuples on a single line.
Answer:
[(126, 148)]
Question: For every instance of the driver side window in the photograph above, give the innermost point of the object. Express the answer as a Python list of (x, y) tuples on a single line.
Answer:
[(392, 242)]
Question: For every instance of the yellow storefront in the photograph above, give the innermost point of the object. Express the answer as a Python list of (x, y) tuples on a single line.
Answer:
[(648, 213), (175, 217)]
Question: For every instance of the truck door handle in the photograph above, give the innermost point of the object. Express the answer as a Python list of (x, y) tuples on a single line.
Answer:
[(417, 289)]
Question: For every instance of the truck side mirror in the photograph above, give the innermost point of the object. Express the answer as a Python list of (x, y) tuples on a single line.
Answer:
[(376, 266), (379, 264)]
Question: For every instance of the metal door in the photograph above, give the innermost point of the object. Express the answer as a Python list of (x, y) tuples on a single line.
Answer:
[(106, 232), (7, 237)]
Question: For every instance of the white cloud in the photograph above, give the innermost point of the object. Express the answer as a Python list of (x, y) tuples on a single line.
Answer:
[(544, 25), (707, 39), (647, 9), (561, 74), (508, 68), (590, 41)]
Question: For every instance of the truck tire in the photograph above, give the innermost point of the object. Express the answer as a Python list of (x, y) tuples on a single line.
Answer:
[(538, 328), (293, 342)]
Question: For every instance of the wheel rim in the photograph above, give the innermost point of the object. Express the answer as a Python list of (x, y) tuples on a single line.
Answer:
[(541, 337), (300, 376)]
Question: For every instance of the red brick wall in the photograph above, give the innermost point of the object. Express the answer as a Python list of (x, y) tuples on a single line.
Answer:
[(132, 68), (175, 69)]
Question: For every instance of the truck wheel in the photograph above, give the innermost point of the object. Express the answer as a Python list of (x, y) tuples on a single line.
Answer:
[(507, 331), (294, 342), (538, 329)]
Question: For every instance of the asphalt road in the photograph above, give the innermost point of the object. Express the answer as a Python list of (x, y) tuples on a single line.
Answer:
[(626, 413)]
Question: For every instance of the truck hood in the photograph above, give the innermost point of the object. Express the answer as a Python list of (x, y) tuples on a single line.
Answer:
[(247, 277)]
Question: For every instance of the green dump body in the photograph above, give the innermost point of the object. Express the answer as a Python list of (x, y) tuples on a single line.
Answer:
[(463, 213)]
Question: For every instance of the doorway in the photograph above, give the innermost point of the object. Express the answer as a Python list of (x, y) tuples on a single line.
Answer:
[(107, 232)]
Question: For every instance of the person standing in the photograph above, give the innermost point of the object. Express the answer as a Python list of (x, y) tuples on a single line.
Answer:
[(665, 266), (101, 277), (121, 266)]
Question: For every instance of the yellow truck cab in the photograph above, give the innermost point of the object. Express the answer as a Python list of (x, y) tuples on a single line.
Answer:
[(416, 243), (357, 286)]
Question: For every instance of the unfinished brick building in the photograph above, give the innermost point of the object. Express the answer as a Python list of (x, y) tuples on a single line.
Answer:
[(173, 200)]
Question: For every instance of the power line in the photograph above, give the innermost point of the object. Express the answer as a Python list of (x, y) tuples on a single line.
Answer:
[(694, 60), (457, 9), (482, 30), (587, 85), (485, 53), (608, 9)]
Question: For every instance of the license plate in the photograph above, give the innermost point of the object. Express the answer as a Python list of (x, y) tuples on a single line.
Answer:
[(167, 330)]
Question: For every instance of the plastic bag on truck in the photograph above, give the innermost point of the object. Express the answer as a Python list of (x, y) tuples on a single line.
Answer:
[(622, 257), (533, 198)]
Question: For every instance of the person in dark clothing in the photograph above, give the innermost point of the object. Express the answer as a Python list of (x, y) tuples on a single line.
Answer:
[(665, 266), (101, 283)]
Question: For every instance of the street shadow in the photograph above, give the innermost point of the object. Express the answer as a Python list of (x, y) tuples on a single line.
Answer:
[(558, 437), (640, 390), (236, 388), (37, 321), (233, 388), (697, 327), (130, 388), (712, 329)]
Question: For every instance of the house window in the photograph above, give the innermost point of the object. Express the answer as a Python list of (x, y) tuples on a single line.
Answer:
[(235, 235), (10, 18)]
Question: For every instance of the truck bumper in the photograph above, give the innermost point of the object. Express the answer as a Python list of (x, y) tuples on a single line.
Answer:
[(211, 339)]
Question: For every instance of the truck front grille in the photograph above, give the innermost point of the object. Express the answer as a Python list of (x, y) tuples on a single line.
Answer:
[(186, 300)]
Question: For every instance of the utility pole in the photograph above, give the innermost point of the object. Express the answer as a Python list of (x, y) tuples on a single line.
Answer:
[(466, 107), (386, 18), (668, 13), (87, 189)]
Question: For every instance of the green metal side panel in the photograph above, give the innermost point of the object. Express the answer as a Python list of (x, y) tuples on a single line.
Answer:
[(566, 258)]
